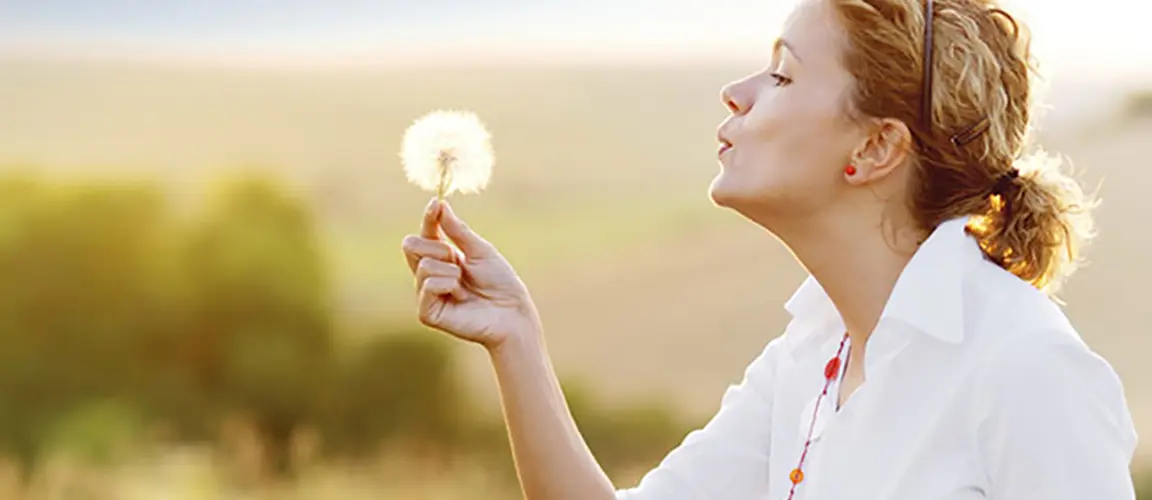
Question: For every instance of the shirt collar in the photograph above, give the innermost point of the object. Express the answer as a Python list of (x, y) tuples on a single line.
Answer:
[(928, 295)]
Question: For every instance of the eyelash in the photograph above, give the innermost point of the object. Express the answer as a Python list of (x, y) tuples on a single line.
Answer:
[(781, 80)]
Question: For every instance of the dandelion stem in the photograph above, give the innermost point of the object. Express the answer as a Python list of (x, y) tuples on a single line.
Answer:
[(445, 162)]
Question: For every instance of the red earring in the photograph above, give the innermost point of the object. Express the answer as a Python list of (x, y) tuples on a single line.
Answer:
[(850, 170)]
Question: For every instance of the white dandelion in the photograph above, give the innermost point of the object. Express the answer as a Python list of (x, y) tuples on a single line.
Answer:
[(449, 152)]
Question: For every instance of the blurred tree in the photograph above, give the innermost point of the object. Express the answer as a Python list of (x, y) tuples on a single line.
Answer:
[(261, 328), (75, 298)]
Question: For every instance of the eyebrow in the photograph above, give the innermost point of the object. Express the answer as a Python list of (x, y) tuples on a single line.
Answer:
[(782, 43)]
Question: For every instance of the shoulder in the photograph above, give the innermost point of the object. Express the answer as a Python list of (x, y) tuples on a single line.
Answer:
[(1002, 309), (760, 375), (1019, 330), (761, 371), (1034, 365)]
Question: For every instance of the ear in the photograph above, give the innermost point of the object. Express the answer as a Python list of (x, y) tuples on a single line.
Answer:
[(882, 152)]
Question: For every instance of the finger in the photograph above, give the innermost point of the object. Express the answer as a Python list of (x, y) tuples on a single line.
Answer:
[(430, 226), (432, 299), (467, 240), (429, 268), (431, 304), (442, 286), (417, 247)]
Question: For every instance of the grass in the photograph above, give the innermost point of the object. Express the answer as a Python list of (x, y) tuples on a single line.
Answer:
[(197, 473), (191, 473), (230, 472)]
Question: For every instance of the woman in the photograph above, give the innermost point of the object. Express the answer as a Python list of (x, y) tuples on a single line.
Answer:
[(925, 359)]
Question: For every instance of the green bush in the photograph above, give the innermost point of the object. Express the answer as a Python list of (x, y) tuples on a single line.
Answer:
[(398, 387), (640, 434), (623, 439), (99, 432)]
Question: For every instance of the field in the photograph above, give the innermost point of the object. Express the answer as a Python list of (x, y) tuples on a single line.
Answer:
[(599, 198)]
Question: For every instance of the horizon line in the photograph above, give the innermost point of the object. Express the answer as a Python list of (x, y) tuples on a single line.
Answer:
[(488, 55)]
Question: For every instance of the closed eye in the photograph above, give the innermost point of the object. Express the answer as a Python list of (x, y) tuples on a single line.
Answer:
[(781, 80)]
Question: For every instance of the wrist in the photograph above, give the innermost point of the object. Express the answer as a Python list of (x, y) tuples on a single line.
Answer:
[(523, 338)]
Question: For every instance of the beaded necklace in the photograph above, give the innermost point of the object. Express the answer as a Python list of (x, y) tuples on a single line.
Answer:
[(831, 373)]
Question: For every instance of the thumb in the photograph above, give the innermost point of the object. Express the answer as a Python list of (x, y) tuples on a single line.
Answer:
[(430, 224), (463, 236)]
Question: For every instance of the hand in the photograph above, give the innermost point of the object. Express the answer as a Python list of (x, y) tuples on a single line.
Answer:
[(472, 293)]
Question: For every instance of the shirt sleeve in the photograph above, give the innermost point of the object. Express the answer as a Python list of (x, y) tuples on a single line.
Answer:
[(1055, 425), (728, 457)]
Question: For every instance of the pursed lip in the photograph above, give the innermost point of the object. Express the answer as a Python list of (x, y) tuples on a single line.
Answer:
[(725, 144)]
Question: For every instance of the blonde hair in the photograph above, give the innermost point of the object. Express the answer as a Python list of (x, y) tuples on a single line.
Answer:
[(1028, 215)]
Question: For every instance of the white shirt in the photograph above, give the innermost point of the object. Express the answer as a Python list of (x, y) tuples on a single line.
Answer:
[(976, 387)]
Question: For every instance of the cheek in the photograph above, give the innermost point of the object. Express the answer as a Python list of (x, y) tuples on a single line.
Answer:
[(769, 118), (794, 133)]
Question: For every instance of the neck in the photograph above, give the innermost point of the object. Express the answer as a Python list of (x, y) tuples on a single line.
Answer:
[(856, 262)]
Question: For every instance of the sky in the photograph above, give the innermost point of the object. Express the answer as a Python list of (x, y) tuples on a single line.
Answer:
[(1068, 34)]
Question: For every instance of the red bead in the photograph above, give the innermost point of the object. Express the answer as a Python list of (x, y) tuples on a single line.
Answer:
[(850, 170), (832, 369), (796, 476)]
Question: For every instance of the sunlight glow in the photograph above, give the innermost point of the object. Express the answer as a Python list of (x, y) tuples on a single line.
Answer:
[(1106, 35)]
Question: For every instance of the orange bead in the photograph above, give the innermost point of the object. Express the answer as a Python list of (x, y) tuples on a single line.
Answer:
[(796, 476)]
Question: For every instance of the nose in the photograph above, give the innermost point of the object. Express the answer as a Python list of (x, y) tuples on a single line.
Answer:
[(736, 97)]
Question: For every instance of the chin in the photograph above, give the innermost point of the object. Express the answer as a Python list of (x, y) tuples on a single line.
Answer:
[(729, 192), (758, 203), (720, 193)]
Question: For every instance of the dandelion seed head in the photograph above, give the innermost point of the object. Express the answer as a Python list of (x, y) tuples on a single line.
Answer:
[(454, 143)]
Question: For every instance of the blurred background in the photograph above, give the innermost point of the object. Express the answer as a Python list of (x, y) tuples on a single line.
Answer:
[(202, 294)]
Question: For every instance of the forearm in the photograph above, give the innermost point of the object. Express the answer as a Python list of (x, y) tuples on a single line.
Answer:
[(552, 459)]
